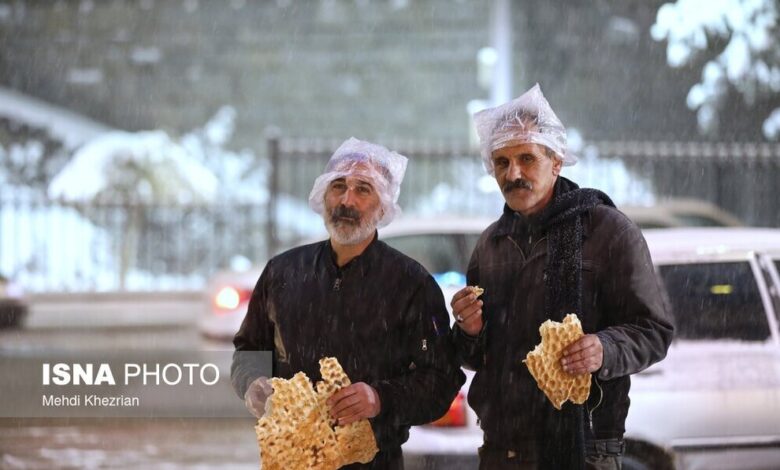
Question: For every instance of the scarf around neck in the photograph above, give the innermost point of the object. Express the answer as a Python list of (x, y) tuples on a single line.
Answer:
[(563, 440)]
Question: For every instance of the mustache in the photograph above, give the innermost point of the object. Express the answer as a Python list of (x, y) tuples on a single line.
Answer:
[(344, 212), (516, 184)]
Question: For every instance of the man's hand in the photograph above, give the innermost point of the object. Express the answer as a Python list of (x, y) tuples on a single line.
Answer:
[(353, 403), (467, 310), (583, 356), (257, 397)]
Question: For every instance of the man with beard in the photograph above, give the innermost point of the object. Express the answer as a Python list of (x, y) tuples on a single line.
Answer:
[(353, 297), (556, 249)]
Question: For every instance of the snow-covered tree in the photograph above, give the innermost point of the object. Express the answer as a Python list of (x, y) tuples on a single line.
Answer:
[(745, 36), (28, 156), (241, 176), (133, 170)]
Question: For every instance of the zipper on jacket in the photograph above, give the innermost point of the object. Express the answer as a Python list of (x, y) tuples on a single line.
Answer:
[(337, 284), (537, 242), (590, 412), (522, 253), (526, 256)]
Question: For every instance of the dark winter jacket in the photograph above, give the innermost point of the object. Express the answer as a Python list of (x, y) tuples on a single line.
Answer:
[(381, 315), (621, 301)]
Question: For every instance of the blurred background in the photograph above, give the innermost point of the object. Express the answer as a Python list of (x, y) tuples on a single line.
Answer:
[(147, 145)]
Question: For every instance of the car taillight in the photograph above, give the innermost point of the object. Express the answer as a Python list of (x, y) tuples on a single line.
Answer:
[(229, 298), (456, 415)]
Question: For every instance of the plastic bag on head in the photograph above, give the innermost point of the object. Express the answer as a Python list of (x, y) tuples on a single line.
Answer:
[(383, 167), (527, 118)]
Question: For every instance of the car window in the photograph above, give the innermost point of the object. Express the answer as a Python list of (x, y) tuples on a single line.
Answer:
[(694, 220), (649, 224), (715, 301), (774, 290), (439, 253)]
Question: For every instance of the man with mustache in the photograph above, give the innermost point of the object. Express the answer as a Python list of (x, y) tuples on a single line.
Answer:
[(352, 297), (556, 249)]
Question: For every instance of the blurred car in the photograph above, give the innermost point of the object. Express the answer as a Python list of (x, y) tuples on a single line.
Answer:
[(712, 403), (13, 306), (680, 213)]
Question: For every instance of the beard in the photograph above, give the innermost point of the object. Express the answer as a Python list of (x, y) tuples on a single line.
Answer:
[(348, 226)]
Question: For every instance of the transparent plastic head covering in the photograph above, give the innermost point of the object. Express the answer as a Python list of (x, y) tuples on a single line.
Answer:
[(527, 118), (382, 167)]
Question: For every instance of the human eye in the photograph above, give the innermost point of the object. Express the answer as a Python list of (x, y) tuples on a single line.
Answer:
[(338, 186), (500, 162)]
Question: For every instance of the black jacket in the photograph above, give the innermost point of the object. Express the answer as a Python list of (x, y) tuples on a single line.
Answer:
[(381, 315), (622, 302)]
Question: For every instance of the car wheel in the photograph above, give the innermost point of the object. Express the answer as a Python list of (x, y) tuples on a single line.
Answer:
[(11, 314), (644, 456)]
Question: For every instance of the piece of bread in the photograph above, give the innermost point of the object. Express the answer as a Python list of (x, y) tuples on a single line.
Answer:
[(477, 290), (544, 363), (300, 434), (356, 440)]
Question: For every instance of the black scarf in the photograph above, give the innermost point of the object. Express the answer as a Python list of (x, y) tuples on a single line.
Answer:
[(563, 439)]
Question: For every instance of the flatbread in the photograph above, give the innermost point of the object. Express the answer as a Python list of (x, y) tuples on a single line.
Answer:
[(477, 290), (299, 432), (544, 363)]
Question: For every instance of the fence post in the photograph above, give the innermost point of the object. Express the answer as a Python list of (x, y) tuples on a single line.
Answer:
[(272, 142)]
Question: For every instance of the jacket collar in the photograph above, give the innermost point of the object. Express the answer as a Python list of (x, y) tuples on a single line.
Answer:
[(512, 223), (362, 262)]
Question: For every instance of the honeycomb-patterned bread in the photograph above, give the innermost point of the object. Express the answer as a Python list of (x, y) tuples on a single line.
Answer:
[(544, 363), (299, 433), (356, 440)]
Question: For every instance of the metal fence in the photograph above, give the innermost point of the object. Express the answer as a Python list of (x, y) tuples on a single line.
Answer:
[(742, 178), (53, 246)]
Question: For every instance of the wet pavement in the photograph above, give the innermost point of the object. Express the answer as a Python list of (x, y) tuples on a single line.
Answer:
[(133, 443), (122, 443), (128, 444)]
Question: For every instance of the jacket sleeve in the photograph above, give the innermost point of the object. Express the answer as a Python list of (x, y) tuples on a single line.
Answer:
[(424, 391), (470, 349), (255, 334), (638, 328)]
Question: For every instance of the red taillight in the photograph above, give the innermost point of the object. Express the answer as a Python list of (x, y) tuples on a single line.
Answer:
[(456, 415), (230, 298)]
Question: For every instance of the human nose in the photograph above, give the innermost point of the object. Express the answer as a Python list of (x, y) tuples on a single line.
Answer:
[(514, 172), (349, 198)]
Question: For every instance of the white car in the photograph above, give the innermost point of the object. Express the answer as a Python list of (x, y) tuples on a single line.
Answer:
[(713, 403)]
